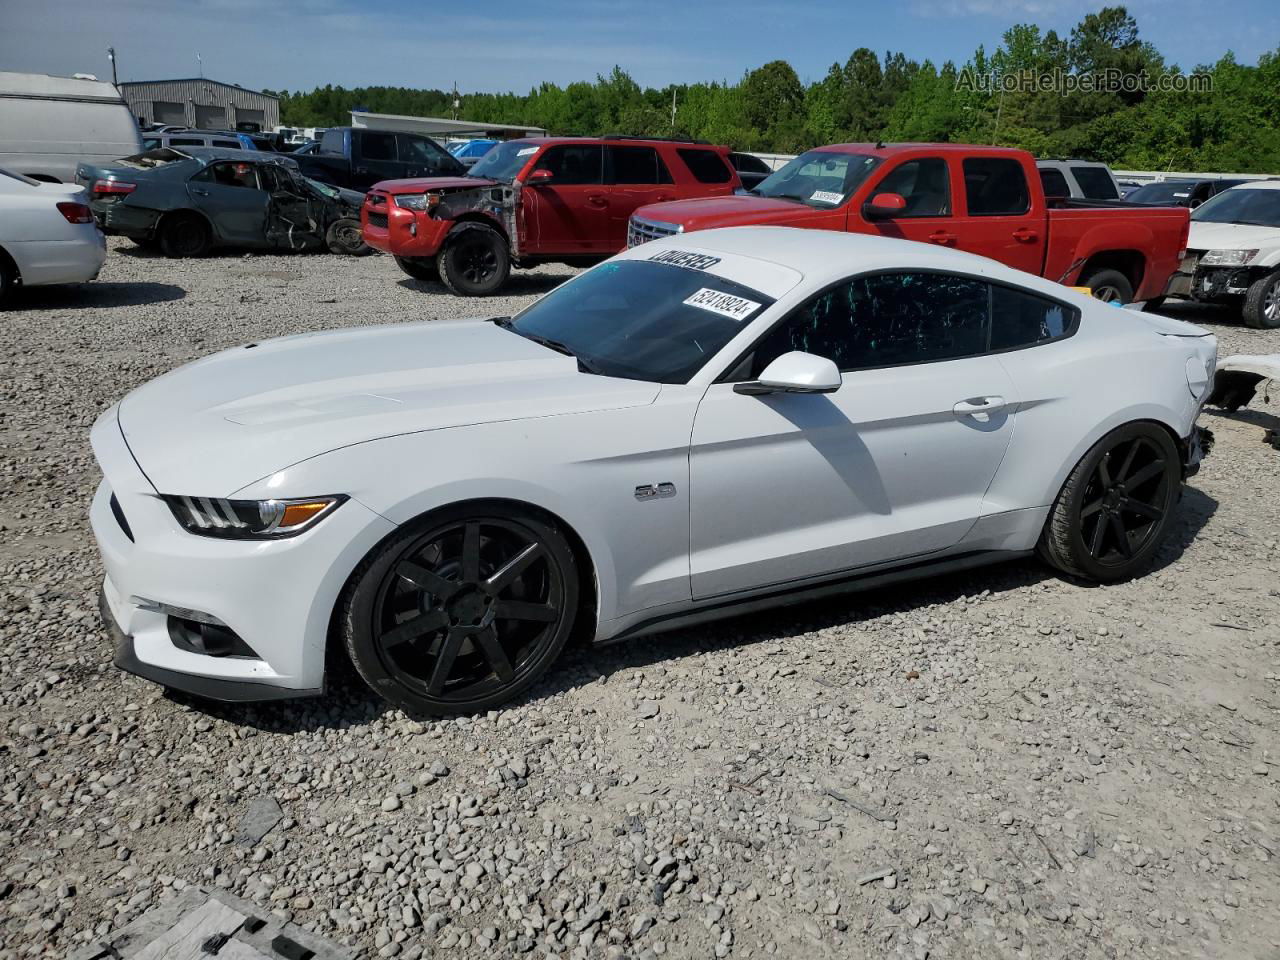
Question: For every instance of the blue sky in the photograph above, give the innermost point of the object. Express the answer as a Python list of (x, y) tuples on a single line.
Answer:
[(496, 45)]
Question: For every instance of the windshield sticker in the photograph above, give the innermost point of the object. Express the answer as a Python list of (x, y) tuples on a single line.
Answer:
[(1182, 194), (682, 258), (826, 196), (525, 151), (725, 304)]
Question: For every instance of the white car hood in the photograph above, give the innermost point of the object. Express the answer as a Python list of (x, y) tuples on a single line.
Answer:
[(1232, 236), (216, 425)]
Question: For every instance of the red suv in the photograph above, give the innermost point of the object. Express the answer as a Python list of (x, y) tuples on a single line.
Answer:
[(541, 200)]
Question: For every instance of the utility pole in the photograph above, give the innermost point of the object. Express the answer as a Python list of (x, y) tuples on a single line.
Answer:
[(673, 109), (111, 55), (456, 102), (200, 63)]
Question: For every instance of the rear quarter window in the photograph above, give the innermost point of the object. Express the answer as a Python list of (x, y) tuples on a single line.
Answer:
[(705, 165), (1095, 183), (995, 187)]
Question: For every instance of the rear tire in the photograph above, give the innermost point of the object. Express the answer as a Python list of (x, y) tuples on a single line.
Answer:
[(8, 280), (461, 610), (1116, 507), (184, 235), (344, 237), (1262, 303), (422, 269), (475, 261), (146, 243), (1109, 286)]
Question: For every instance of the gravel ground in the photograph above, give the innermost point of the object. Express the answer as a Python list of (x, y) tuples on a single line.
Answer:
[(998, 764)]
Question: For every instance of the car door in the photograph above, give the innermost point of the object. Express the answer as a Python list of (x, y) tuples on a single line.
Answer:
[(925, 184), (375, 157), (569, 213), (635, 175), (895, 464), (229, 194), (998, 219)]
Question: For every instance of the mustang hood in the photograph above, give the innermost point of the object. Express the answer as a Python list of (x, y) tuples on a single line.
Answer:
[(739, 210), (218, 424)]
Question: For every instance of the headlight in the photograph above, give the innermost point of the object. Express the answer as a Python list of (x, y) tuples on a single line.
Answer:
[(250, 519), (418, 201), (1227, 258)]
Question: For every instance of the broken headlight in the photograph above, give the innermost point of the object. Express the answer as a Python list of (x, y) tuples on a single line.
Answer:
[(418, 201), (250, 519), (1227, 258)]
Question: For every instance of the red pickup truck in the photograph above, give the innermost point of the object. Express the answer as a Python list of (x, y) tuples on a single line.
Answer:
[(987, 200), (540, 200)]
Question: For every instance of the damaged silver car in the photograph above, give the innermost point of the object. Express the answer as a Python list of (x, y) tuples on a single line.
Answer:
[(188, 201)]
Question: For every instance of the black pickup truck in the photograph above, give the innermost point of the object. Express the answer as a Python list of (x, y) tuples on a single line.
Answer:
[(357, 158)]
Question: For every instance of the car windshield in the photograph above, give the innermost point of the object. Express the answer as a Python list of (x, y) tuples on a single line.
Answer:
[(324, 189), (504, 161), (1241, 205), (819, 178), (1171, 191), (641, 320)]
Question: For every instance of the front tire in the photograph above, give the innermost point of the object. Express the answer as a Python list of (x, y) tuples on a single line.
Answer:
[(462, 610), (1262, 303), (1109, 286), (475, 261), (344, 237), (184, 235), (1116, 507), (422, 269)]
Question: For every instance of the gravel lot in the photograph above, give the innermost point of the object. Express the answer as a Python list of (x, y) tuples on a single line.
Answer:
[(998, 764)]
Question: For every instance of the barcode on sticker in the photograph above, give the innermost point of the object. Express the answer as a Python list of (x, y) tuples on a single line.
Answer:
[(525, 151), (826, 196), (725, 304)]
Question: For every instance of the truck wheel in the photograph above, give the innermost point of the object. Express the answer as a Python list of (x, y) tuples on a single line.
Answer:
[(343, 236), (475, 262), (420, 268), (1109, 286), (184, 235), (1262, 303)]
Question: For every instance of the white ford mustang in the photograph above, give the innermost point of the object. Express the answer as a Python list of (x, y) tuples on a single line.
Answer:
[(700, 426)]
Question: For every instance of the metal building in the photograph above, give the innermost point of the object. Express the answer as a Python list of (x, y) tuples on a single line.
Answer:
[(201, 104)]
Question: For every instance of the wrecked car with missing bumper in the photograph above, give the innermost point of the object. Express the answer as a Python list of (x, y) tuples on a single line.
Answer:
[(186, 202)]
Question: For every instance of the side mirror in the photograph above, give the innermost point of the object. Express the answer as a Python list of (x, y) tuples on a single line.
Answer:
[(541, 178), (884, 206), (795, 372)]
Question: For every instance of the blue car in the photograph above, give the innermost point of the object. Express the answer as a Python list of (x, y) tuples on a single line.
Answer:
[(471, 150)]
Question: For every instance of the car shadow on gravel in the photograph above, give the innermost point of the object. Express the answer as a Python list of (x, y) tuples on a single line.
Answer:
[(520, 285), (106, 294), (348, 702)]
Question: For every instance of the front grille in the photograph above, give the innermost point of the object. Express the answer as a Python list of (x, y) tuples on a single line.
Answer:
[(118, 513), (641, 231), (378, 220)]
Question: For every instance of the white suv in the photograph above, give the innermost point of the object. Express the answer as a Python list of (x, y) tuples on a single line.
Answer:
[(1078, 179), (1233, 253)]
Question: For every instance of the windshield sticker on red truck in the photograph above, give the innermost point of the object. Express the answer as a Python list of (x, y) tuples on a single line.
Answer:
[(682, 258), (826, 196), (725, 304), (525, 151)]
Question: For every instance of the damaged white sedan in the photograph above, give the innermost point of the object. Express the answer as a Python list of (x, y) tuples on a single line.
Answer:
[(702, 426)]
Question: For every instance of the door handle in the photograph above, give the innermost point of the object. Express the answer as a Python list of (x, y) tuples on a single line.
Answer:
[(979, 405), (362, 169), (597, 200), (663, 198), (199, 193), (1025, 235), (942, 236)]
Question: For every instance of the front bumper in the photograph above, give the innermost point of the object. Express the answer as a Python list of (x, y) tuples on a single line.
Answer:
[(276, 596), (402, 233), (1209, 284)]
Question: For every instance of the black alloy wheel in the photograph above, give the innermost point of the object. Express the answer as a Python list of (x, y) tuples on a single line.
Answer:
[(475, 261), (463, 612), (1116, 507)]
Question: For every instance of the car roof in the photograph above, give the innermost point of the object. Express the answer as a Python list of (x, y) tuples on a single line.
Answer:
[(825, 256), (210, 154), (1257, 185), (894, 149)]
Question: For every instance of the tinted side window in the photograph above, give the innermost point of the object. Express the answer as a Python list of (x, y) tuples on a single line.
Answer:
[(419, 150), (636, 165), (747, 163), (1021, 319), (229, 144), (188, 142), (885, 320), (995, 186), (1095, 183), (571, 164), (923, 184), (378, 146), (705, 165), (1054, 183)]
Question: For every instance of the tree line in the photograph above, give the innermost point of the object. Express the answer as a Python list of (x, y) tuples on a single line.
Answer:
[(1140, 113)]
